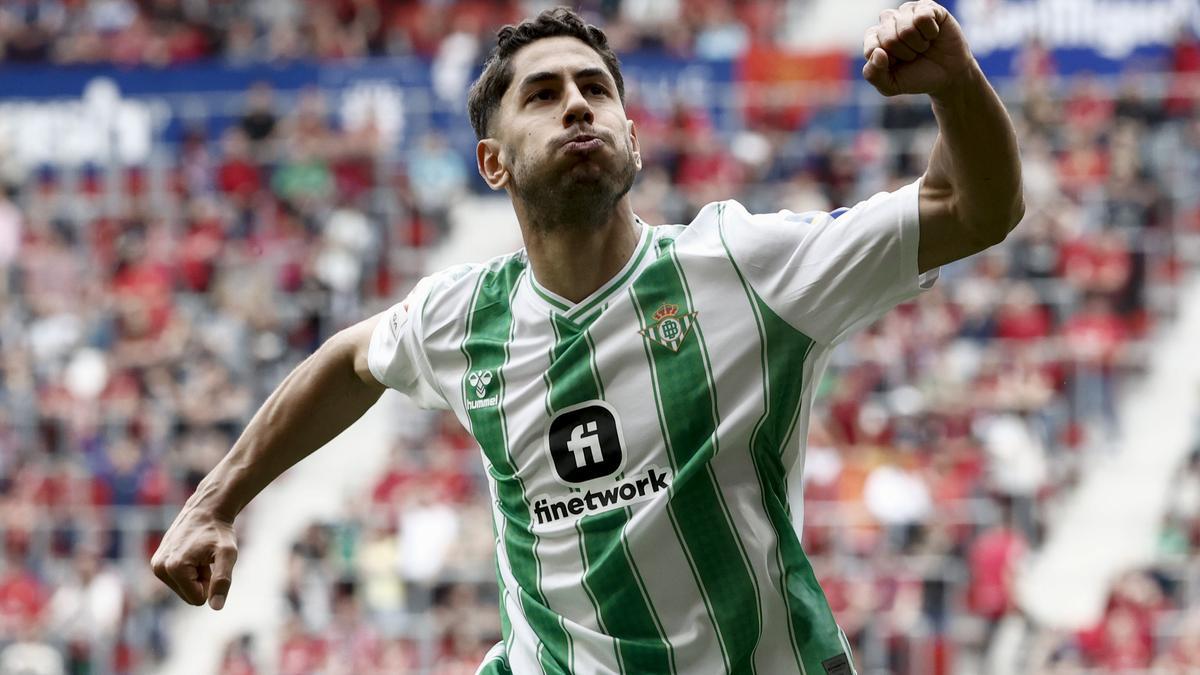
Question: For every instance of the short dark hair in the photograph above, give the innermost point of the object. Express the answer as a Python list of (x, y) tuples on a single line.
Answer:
[(497, 75)]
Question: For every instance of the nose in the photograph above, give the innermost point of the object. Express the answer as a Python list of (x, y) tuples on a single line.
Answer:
[(576, 109)]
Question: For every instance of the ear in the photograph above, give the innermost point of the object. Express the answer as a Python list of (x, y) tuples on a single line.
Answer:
[(633, 143), (491, 163)]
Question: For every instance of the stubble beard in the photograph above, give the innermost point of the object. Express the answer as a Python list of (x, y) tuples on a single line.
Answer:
[(570, 199)]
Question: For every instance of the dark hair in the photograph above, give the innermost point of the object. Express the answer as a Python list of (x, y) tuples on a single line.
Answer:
[(497, 75)]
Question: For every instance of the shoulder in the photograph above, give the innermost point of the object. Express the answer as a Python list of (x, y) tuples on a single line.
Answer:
[(732, 217), (464, 280), (728, 226), (455, 291)]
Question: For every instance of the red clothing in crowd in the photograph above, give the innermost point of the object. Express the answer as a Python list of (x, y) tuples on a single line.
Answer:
[(1022, 323), (22, 597), (1095, 338), (301, 654), (990, 561), (239, 177)]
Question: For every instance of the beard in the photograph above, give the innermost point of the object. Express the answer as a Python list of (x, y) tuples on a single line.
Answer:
[(577, 194)]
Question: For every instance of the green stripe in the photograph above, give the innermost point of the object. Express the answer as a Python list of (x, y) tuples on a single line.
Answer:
[(674, 519), (686, 402), (486, 347), (708, 373), (505, 623), (609, 578), (783, 353)]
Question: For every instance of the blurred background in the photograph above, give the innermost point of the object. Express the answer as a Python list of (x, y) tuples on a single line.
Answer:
[(1003, 477)]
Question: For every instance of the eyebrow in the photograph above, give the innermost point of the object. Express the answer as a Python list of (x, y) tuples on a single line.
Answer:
[(545, 75)]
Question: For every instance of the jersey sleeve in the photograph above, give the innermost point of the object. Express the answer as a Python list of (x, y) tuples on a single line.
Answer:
[(396, 356), (829, 274)]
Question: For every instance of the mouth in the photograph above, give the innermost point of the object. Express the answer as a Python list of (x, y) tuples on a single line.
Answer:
[(582, 144)]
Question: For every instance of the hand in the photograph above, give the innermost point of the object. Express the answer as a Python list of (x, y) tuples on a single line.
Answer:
[(916, 49), (196, 557)]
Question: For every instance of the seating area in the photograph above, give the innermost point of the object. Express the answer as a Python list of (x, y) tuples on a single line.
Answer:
[(146, 311)]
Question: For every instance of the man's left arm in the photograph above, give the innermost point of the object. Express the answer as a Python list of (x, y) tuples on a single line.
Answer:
[(970, 196)]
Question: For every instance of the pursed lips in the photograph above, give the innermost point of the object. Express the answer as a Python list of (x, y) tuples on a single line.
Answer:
[(582, 143)]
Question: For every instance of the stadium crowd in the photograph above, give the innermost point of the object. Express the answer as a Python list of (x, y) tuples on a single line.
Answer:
[(170, 32), (142, 321)]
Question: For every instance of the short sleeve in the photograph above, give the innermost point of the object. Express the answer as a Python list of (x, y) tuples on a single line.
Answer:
[(829, 274), (397, 357)]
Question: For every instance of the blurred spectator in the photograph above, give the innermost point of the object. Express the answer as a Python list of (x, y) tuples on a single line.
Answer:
[(88, 602), (993, 558), (238, 657)]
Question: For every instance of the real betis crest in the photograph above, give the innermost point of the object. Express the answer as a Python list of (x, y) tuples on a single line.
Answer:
[(669, 327)]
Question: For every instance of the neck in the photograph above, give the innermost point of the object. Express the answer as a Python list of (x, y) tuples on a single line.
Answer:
[(572, 260)]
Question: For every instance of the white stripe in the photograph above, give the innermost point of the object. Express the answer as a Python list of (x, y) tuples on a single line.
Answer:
[(796, 446), (727, 326), (849, 652), (496, 653)]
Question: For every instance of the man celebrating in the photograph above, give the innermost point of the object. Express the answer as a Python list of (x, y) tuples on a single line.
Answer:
[(640, 394)]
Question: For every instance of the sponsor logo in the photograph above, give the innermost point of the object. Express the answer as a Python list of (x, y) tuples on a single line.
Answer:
[(395, 324), (669, 327), (585, 443), (587, 450), (547, 511), (479, 381)]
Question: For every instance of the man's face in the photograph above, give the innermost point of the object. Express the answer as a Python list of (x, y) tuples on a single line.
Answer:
[(562, 129)]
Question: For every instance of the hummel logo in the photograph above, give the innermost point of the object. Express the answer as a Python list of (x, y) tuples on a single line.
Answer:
[(480, 379)]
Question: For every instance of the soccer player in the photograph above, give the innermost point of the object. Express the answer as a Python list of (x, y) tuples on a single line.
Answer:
[(640, 394)]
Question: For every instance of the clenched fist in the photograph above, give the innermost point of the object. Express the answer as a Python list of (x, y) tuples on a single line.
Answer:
[(916, 49), (196, 557)]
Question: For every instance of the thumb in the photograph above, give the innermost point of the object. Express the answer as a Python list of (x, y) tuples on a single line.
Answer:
[(222, 576), (876, 71)]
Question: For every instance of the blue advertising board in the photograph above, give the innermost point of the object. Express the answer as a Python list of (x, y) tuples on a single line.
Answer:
[(1102, 37)]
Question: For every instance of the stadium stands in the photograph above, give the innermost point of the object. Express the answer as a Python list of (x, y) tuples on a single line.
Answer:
[(147, 310)]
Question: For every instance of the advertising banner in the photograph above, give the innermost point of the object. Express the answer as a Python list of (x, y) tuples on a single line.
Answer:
[(1081, 36)]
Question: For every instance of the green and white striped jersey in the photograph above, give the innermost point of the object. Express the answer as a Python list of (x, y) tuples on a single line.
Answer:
[(640, 444)]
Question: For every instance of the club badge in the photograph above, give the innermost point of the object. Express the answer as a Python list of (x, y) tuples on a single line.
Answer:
[(669, 327)]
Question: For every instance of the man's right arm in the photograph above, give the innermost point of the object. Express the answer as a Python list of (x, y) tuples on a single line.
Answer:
[(317, 401)]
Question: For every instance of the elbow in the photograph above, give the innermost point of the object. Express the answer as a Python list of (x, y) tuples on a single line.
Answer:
[(995, 228), (1017, 212)]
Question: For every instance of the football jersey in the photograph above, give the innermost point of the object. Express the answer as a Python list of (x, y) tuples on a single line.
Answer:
[(639, 444)]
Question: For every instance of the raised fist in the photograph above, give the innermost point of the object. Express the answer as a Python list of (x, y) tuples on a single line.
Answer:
[(196, 557), (916, 49)]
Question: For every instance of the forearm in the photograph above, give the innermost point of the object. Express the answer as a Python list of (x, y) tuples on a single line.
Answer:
[(317, 401), (975, 167)]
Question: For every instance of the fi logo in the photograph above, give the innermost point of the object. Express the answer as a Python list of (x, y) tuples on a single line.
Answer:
[(585, 442)]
